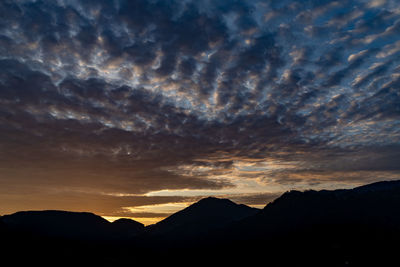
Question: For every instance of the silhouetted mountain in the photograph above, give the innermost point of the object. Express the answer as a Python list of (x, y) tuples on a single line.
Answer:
[(201, 217), (356, 227), (389, 186), (70, 225), (127, 227), (375, 204), (2, 226)]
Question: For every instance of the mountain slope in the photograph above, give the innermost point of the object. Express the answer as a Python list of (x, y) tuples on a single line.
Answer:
[(70, 225), (357, 227), (366, 204), (201, 217), (372, 205), (127, 228)]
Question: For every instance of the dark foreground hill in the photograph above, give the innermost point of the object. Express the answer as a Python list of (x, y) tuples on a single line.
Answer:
[(375, 206), (357, 227), (71, 225), (200, 218)]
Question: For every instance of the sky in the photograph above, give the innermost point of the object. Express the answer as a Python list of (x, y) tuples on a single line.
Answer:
[(136, 109)]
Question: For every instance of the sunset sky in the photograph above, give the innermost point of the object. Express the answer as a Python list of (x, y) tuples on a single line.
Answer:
[(139, 108)]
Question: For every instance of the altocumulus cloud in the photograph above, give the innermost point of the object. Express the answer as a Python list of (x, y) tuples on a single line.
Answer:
[(106, 105)]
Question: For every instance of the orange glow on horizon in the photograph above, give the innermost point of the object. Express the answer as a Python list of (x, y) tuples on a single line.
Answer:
[(145, 221)]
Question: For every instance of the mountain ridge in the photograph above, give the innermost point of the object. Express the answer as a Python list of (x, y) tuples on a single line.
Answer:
[(68, 224), (201, 217), (344, 227)]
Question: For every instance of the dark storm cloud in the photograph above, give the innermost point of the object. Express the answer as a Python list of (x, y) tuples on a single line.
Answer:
[(140, 96)]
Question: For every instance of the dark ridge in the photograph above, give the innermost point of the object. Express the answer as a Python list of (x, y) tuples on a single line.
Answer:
[(355, 227), (70, 225), (127, 227), (378, 186), (130, 222), (54, 223), (201, 217), (374, 205)]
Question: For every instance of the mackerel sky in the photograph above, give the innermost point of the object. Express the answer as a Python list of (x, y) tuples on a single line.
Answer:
[(138, 108)]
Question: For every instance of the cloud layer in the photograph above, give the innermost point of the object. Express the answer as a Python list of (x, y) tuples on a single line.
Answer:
[(245, 98)]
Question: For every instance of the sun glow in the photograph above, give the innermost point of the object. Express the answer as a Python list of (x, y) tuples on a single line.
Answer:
[(145, 221)]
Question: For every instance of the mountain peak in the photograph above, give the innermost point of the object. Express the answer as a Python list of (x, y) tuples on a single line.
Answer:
[(377, 186), (211, 205), (212, 201), (208, 213), (58, 223), (127, 227), (68, 224), (53, 216), (293, 196), (127, 223)]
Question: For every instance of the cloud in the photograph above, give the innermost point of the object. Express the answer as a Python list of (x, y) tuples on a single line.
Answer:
[(234, 96)]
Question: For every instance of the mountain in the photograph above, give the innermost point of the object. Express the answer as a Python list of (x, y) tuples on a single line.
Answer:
[(388, 186), (70, 225), (200, 218), (355, 227), (374, 205), (127, 227)]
